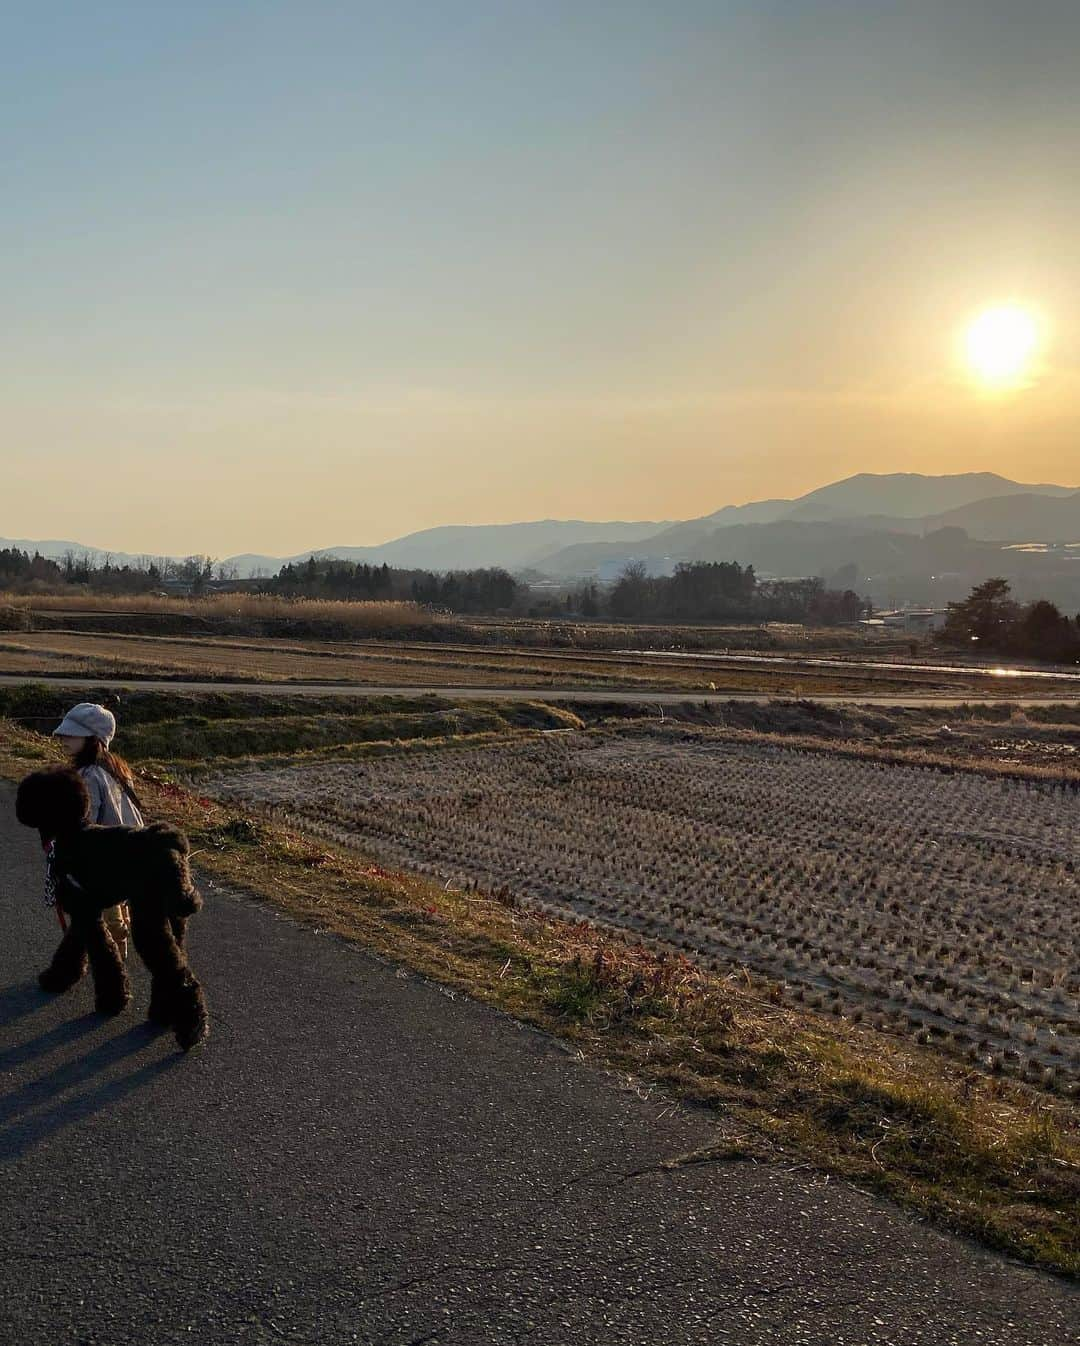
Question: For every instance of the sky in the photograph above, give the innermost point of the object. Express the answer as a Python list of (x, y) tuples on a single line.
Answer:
[(278, 276)]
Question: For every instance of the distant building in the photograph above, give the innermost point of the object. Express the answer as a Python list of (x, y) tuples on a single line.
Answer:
[(607, 572), (915, 620)]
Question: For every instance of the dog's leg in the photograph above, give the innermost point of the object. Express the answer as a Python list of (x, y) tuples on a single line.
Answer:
[(192, 1023), (112, 990), (175, 994), (162, 993), (155, 945), (161, 1010), (68, 963)]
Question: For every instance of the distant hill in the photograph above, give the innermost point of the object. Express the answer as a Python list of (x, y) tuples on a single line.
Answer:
[(516, 546), (56, 549), (892, 506), (760, 511), (987, 506), (1018, 518), (908, 495)]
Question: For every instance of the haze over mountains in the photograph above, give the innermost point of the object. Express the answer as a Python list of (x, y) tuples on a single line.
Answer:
[(986, 506), (516, 546), (898, 538), (895, 534), (450, 547)]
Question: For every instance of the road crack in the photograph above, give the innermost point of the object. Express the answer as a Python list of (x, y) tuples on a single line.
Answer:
[(496, 1269)]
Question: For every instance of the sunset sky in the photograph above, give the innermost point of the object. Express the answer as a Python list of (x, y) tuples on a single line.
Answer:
[(290, 275)]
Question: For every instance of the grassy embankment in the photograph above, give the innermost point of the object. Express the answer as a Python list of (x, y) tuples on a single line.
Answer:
[(979, 1154), (1039, 743), (162, 729)]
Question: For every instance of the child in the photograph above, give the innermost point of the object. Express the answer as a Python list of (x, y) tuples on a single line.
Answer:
[(86, 732)]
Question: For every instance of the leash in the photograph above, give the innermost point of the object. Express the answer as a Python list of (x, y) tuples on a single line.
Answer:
[(50, 884)]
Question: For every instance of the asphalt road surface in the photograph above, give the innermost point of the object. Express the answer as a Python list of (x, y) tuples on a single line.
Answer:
[(357, 1156), (637, 695)]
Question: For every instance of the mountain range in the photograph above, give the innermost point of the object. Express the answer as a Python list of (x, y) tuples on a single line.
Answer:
[(517, 546), (900, 538), (987, 507), (898, 533)]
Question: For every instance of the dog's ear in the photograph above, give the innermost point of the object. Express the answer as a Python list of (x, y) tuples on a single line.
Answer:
[(32, 800), (28, 800)]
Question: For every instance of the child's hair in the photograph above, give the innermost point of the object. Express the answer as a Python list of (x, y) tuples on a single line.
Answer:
[(94, 753)]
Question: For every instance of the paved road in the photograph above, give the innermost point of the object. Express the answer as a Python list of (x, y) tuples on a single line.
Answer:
[(627, 695), (356, 1156)]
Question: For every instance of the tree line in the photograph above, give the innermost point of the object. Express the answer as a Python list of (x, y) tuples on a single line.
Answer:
[(488, 590), (719, 591), (468, 591), (991, 620), (696, 592), (101, 574)]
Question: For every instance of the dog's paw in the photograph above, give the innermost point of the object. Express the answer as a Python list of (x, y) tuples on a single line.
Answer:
[(55, 982), (191, 1033), (192, 1023)]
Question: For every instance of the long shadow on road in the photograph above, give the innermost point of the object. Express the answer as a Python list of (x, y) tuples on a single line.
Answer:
[(49, 1098), (17, 1139), (49, 1041), (16, 1002)]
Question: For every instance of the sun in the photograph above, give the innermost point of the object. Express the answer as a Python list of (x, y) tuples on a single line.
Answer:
[(1000, 345)]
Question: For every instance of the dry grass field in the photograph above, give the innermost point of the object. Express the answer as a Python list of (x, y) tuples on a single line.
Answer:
[(260, 638), (404, 663), (943, 906), (359, 618), (384, 664), (264, 614)]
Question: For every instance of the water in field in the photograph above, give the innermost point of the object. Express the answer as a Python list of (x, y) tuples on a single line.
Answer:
[(854, 665)]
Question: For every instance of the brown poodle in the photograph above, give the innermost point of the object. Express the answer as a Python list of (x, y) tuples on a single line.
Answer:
[(94, 867)]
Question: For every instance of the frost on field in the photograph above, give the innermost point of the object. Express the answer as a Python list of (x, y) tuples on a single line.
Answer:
[(946, 904)]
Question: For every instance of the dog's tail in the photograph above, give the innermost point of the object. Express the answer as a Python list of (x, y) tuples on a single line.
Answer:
[(168, 868)]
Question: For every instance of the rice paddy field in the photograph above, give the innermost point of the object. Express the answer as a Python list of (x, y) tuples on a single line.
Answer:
[(941, 906), (417, 663), (93, 654), (371, 663)]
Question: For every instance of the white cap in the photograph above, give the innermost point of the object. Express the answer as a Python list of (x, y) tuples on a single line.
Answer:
[(88, 721)]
